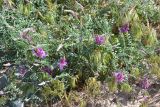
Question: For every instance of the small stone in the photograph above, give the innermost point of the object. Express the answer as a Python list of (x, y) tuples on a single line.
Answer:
[(98, 105), (89, 104)]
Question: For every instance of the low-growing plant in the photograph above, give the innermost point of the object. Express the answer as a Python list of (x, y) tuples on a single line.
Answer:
[(93, 86), (50, 47)]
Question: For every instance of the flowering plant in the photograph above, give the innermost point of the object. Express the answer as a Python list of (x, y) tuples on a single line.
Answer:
[(51, 48)]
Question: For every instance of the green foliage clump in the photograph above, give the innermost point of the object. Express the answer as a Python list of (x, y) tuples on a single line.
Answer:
[(93, 86), (55, 88), (3, 100), (155, 65), (126, 88)]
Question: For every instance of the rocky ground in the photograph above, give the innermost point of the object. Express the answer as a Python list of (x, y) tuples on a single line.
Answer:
[(137, 98)]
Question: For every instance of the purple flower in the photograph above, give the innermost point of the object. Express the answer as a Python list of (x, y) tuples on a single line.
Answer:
[(145, 83), (22, 71), (39, 52), (47, 69), (99, 39), (62, 63), (119, 76), (124, 28)]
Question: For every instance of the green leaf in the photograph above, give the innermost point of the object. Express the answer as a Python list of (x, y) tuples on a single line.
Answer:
[(112, 85), (125, 87), (28, 89)]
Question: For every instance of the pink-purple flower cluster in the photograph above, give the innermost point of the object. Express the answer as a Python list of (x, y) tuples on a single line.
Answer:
[(62, 63), (119, 76), (47, 69), (39, 52), (99, 39), (22, 71), (124, 28), (145, 83)]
